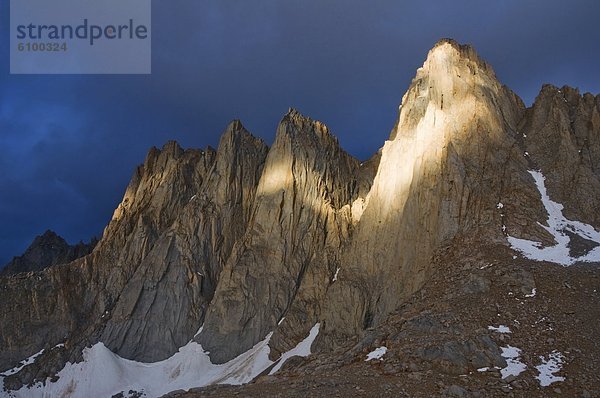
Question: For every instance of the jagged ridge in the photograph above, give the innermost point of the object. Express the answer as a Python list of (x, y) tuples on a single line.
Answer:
[(249, 240)]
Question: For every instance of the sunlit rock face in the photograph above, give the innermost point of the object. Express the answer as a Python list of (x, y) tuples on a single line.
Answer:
[(451, 159), (301, 218)]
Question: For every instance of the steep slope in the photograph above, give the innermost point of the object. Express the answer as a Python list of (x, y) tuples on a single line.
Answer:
[(561, 132), (452, 338), (67, 302), (145, 288), (452, 167), (45, 251), (165, 300), (283, 264)]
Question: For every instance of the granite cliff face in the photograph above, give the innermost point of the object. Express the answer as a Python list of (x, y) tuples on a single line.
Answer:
[(165, 298), (144, 290), (560, 132), (247, 240), (281, 267), (452, 158)]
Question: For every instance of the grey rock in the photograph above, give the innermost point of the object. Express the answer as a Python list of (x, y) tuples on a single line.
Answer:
[(458, 357), (563, 139), (457, 391), (476, 284), (509, 379), (166, 299)]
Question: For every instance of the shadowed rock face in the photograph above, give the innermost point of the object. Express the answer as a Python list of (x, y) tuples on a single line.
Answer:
[(247, 240), (144, 290), (165, 300), (561, 131), (45, 251)]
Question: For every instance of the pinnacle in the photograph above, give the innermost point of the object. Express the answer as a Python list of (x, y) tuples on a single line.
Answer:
[(456, 52)]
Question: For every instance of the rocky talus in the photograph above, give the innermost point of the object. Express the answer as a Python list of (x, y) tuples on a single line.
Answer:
[(229, 246)]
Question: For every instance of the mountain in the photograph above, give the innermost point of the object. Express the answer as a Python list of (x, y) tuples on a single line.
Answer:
[(45, 251), (231, 265)]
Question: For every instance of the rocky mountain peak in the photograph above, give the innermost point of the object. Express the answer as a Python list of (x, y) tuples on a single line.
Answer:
[(47, 250), (300, 219), (437, 180), (451, 85), (561, 132), (262, 247), (454, 51), (49, 238), (301, 128), (235, 127), (236, 132)]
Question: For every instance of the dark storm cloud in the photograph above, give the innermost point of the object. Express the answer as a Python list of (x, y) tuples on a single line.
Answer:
[(70, 143)]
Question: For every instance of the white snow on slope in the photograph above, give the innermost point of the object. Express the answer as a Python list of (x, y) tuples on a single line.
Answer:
[(377, 353), (301, 350), (514, 366), (500, 329), (557, 225), (23, 363), (104, 373), (337, 271), (548, 367)]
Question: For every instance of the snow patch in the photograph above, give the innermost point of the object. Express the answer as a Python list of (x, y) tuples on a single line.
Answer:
[(481, 370), (558, 225), (514, 366), (337, 271), (301, 350), (23, 363), (500, 329), (548, 367), (377, 353), (103, 373)]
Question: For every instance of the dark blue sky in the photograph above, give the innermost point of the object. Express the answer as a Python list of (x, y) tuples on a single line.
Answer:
[(70, 143)]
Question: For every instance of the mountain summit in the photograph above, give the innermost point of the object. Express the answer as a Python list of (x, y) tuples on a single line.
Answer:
[(218, 266), (47, 250)]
